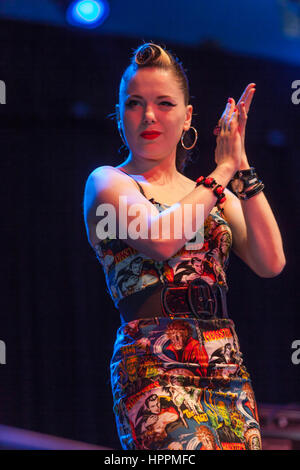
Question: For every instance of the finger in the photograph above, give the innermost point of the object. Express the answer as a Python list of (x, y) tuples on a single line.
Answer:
[(244, 114), (242, 119), (233, 116), (222, 118), (233, 122), (246, 91), (248, 99), (217, 130), (229, 103), (227, 114), (247, 96), (243, 111)]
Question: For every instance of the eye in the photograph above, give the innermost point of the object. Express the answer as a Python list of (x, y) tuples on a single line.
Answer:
[(132, 103), (167, 103)]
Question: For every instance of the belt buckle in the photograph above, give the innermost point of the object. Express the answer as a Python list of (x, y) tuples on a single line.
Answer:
[(166, 309), (206, 296)]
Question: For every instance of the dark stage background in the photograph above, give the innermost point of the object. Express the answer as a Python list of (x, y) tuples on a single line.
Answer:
[(57, 320)]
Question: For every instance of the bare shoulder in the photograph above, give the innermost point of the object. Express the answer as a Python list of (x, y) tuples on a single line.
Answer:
[(103, 185), (105, 177), (106, 170), (104, 196)]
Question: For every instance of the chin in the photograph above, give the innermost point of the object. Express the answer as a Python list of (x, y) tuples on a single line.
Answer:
[(151, 156)]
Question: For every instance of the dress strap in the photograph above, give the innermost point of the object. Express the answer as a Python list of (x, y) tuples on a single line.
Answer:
[(140, 187)]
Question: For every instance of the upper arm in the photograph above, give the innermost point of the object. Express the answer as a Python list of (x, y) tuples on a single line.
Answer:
[(106, 185)]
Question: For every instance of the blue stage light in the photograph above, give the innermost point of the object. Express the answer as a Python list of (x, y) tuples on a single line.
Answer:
[(87, 13), (276, 138)]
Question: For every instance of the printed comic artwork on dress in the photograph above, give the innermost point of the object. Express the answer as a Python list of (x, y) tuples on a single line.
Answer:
[(188, 418), (212, 353), (208, 262), (184, 387), (127, 271)]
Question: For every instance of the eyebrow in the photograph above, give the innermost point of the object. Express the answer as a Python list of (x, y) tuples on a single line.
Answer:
[(158, 97)]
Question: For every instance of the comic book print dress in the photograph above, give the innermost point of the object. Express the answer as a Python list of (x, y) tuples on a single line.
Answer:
[(178, 383)]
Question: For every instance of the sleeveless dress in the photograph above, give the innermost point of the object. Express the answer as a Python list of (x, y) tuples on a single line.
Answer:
[(178, 383)]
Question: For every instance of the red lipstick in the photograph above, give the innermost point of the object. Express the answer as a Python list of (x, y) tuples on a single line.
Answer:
[(150, 134)]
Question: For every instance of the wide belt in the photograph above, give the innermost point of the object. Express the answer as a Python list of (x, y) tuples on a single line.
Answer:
[(196, 299)]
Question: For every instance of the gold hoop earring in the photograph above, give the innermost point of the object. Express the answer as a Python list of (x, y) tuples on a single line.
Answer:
[(194, 143)]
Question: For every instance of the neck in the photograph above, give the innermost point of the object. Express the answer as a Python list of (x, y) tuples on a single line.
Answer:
[(156, 172)]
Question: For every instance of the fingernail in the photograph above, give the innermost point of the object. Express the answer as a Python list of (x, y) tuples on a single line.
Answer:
[(229, 100)]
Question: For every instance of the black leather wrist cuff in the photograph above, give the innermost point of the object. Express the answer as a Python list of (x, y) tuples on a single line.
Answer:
[(251, 192)]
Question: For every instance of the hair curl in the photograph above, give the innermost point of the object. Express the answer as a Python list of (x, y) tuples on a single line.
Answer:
[(154, 55)]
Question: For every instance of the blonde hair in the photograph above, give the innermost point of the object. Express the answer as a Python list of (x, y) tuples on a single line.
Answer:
[(154, 55)]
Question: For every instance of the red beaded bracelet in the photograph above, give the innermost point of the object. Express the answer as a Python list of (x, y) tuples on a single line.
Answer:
[(210, 182)]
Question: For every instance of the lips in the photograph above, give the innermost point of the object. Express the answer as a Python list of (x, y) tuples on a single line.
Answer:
[(150, 134)]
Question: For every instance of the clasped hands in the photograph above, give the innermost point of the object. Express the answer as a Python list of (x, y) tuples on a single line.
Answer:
[(234, 118)]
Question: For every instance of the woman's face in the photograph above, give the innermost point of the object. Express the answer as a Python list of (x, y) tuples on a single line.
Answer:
[(153, 100)]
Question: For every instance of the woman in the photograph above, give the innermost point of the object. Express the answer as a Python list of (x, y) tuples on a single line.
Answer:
[(177, 373)]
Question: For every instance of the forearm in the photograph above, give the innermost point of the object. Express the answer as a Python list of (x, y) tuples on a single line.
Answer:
[(176, 216), (264, 243)]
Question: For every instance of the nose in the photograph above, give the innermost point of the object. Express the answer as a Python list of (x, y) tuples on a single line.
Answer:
[(149, 115)]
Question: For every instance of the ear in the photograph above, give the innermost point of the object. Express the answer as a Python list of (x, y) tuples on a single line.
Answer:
[(188, 117)]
